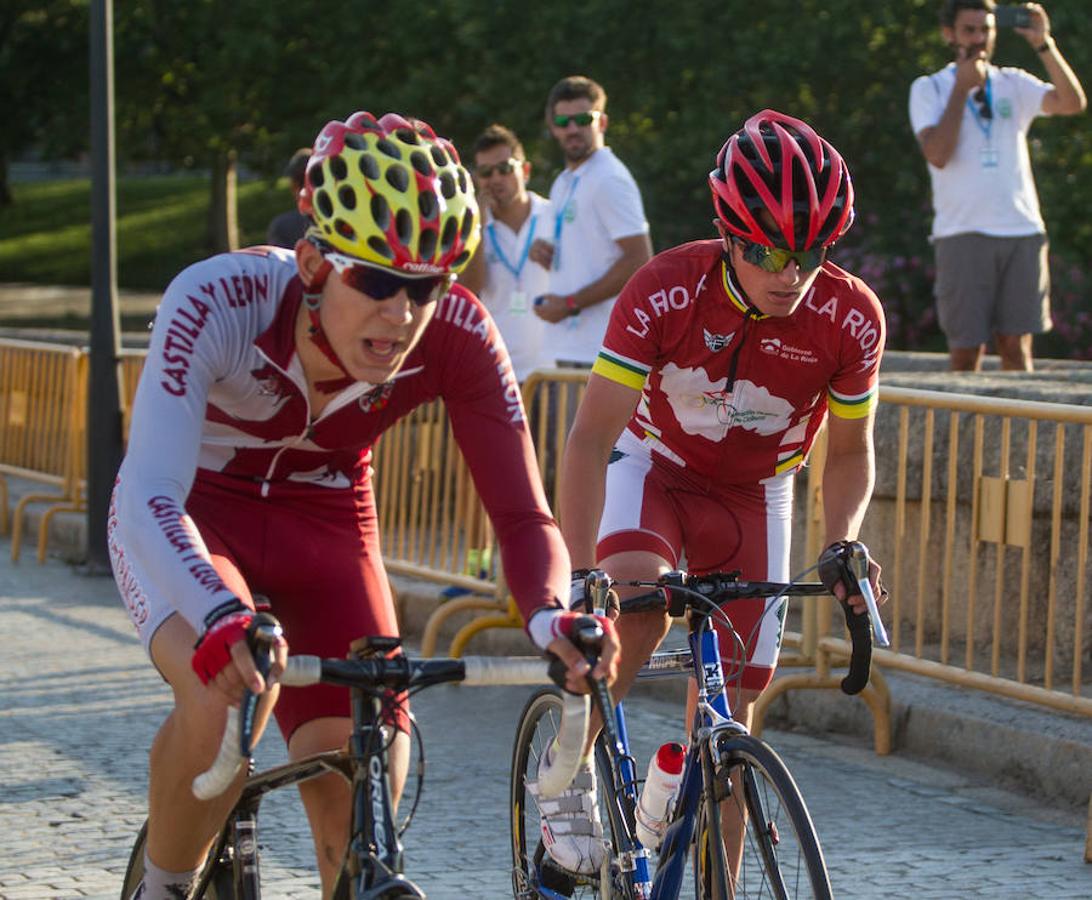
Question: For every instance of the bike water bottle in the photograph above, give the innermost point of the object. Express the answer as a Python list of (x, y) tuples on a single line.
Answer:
[(662, 783)]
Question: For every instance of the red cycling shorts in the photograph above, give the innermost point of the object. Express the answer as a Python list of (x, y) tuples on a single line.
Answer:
[(656, 506), (313, 555)]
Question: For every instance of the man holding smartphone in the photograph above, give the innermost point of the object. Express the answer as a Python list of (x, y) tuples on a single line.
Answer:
[(971, 119)]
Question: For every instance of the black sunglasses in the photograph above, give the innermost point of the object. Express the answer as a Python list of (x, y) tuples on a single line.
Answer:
[(381, 284), (582, 119), (502, 168), (985, 111)]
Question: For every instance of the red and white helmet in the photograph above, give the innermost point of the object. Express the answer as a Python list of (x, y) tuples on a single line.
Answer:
[(780, 165)]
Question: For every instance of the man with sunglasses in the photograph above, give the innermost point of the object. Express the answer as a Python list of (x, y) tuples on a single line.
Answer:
[(599, 235), (502, 272), (269, 377), (971, 120), (721, 362)]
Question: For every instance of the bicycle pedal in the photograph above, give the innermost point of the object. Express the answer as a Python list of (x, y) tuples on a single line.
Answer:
[(554, 878)]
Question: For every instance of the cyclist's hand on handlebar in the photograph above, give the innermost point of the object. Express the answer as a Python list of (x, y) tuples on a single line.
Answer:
[(223, 660), (856, 601), (551, 629)]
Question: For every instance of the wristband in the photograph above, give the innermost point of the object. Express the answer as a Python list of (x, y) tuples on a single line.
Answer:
[(570, 305), (1046, 47)]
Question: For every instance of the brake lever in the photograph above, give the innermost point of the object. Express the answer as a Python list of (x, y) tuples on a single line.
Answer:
[(857, 563)]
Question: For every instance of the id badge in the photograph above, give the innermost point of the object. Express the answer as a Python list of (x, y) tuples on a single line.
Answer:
[(517, 302), (989, 157)]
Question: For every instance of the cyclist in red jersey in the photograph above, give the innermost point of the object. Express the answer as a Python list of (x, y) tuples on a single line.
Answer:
[(720, 363), (269, 376)]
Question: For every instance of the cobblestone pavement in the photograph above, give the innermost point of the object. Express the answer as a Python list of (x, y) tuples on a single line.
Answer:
[(79, 704)]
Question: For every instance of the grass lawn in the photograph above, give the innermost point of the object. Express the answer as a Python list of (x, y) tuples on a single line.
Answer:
[(45, 235)]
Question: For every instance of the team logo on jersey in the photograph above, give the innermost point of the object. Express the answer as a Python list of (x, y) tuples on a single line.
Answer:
[(717, 342), (615, 455), (777, 347), (376, 398)]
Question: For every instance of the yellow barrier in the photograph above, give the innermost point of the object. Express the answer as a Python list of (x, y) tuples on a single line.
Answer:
[(981, 519), (43, 391)]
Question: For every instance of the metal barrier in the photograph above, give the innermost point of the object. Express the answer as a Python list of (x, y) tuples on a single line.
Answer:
[(432, 525), (981, 518), (43, 391)]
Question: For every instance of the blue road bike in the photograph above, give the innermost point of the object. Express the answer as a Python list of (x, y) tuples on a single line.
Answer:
[(731, 779)]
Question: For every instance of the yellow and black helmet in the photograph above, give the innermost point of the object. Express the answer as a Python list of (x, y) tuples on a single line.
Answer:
[(391, 193)]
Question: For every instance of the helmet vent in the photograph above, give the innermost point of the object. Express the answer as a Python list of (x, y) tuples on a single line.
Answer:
[(355, 141), (390, 149), (326, 207), (447, 238), (420, 163), (408, 136), (317, 176), (338, 168), (398, 178), (447, 185), (344, 229), (381, 247), (462, 180), (403, 225), (347, 196), (427, 244), (381, 212), (369, 168), (427, 203), (468, 225), (438, 155), (461, 260)]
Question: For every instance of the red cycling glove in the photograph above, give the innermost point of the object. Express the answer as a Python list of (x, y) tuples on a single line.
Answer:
[(212, 653)]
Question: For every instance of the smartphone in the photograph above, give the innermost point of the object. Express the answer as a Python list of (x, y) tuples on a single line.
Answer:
[(1012, 16)]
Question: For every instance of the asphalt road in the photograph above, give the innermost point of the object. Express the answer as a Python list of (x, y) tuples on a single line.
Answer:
[(79, 704)]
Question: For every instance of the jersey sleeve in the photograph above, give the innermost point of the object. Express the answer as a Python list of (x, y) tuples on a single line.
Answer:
[(631, 345), (854, 389), (154, 545), (483, 401)]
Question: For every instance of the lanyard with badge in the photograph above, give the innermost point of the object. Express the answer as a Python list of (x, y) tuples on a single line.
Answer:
[(987, 155), (517, 301), (559, 221)]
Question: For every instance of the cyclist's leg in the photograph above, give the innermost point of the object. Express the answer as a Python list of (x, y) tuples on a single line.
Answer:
[(181, 828), (749, 531), (331, 589)]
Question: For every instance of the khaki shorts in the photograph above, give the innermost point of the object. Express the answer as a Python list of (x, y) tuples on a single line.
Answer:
[(991, 285)]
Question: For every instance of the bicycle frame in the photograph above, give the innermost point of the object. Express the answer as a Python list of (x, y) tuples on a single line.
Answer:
[(713, 718)]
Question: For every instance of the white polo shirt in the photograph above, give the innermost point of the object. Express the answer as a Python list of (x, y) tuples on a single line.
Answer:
[(512, 283), (987, 186), (593, 206)]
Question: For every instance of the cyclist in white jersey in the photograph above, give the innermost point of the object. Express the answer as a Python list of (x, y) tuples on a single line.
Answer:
[(269, 376)]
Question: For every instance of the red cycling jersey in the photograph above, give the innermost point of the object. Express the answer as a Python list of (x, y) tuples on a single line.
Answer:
[(222, 410), (727, 393)]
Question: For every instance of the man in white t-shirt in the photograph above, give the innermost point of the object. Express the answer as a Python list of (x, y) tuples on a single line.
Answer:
[(971, 119), (502, 273), (598, 236)]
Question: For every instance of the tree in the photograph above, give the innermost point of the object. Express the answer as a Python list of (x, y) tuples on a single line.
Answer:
[(43, 78)]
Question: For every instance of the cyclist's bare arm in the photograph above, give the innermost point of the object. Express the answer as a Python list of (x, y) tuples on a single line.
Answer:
[(606, 408), (848, 477)]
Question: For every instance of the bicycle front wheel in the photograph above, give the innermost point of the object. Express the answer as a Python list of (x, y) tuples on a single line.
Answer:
[(534, 874), (764, 817), (216, 876)]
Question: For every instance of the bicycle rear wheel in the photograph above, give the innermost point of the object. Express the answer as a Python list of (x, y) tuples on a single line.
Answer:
[(533, 872), (216, 875), (782, 857)]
